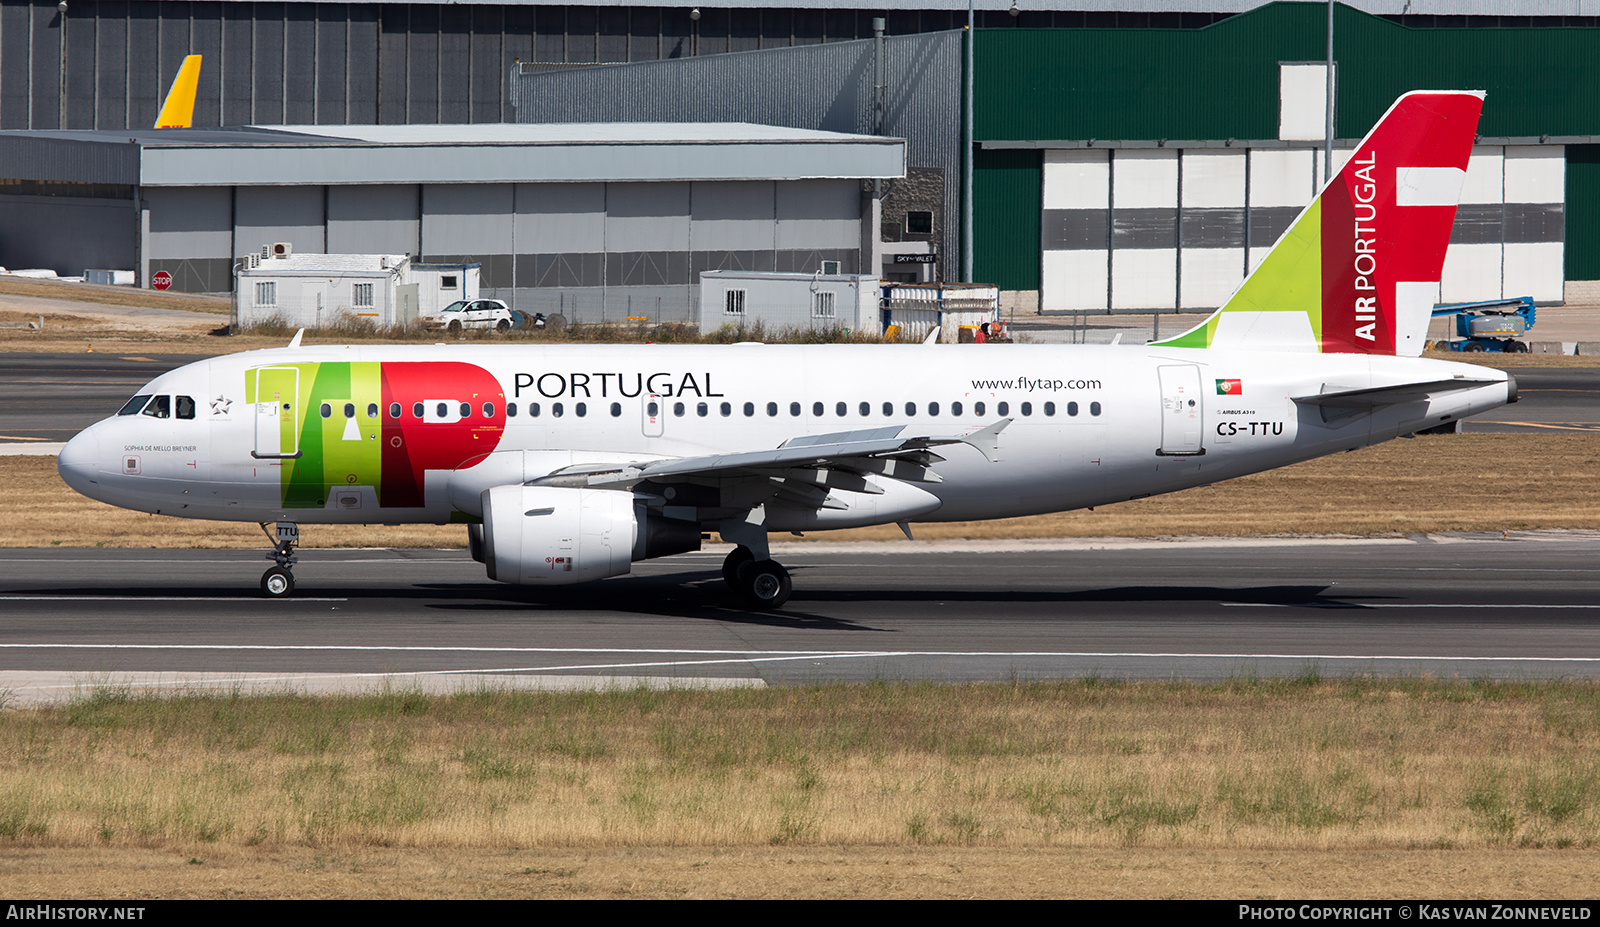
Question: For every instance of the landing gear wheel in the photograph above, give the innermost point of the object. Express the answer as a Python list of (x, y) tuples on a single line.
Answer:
[(765, 584), (738, 558), (277, 583)]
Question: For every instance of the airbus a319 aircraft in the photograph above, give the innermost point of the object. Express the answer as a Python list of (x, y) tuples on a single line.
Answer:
[(568, 463)]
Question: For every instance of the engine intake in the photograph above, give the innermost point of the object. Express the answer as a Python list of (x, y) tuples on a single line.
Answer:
[(553, 536)]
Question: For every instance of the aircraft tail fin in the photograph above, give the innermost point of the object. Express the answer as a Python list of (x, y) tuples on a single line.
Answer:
[(178, 110), (1358, 270)]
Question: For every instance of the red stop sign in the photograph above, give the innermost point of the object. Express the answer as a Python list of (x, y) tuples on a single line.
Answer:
[(161, 280)]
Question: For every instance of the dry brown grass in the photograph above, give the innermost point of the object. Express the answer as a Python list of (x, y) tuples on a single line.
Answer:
[(798, 872), (111, 295), (1441, 483), (1292, 765)]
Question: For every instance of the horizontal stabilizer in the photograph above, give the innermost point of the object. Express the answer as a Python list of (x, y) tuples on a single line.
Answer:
[(1376, 396)]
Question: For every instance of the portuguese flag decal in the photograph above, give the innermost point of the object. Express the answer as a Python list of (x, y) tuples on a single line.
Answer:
[(1230, 388)]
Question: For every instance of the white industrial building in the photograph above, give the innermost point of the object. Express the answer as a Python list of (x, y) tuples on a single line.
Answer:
[(313, 290), (784, 301)]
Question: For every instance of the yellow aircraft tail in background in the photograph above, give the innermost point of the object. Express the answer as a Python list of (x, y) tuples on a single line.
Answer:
[(178, 111)]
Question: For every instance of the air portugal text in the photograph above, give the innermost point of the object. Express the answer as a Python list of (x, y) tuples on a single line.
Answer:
[(606, 385), (1364, 206)]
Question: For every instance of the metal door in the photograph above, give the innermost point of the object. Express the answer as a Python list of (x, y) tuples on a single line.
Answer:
[(1182, 410), (277, 412)]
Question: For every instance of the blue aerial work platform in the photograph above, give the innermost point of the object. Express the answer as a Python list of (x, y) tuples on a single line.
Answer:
[(1492, 325)]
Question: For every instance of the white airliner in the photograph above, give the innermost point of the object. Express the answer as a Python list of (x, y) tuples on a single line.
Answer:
[(568, 463)]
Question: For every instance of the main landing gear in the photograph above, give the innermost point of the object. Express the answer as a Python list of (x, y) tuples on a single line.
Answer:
[(761, 583), (278, 581)]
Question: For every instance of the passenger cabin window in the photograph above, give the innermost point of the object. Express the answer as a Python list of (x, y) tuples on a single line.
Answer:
[(372, 410), (1094, 408), (977, 408), (933, 408), (580, 409), (466, 410), (511, 410), (488, 410), (349, 410), (955, 408), (416, 410), (1003, 408), (327, 410), (185, 407), (794, 409), (616, 410)]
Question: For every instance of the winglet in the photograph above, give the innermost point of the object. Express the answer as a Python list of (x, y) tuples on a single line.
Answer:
[(295, 341), (178, 110), (987, 440)]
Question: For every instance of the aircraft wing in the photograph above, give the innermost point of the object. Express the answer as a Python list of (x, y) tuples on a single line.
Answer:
[(831, 461), (1373, 397)]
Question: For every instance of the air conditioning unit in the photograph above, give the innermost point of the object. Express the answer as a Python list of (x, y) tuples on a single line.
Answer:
[(282, 249)]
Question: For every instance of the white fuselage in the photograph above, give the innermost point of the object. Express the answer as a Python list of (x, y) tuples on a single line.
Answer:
[(1089, 425)]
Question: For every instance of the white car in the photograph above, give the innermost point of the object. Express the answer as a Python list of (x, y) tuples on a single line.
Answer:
[(471, 313)]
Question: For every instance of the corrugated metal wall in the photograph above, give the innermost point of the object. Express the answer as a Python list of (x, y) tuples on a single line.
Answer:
[(331, 63), (1583, 200), (827, 87), (1222, 82)]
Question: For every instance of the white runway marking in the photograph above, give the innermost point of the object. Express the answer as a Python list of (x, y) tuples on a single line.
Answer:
[(1361, 605), (710, 657), (152, 598)]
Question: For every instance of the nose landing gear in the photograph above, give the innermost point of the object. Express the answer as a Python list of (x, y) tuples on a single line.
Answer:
[(278, 581)]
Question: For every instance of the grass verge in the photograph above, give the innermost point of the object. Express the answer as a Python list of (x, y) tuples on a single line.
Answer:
[(1292, 765)]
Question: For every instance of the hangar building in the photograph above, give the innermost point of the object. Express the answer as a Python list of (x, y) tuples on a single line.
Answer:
[(1127, 154), (599, 221)]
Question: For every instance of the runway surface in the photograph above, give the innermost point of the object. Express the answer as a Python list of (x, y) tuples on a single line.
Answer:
[(1523, 606), (51, 397)]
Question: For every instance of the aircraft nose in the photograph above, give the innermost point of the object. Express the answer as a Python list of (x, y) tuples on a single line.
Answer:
[(79, 460)]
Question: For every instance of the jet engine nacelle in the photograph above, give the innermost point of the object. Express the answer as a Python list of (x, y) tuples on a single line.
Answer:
[(553, 536)]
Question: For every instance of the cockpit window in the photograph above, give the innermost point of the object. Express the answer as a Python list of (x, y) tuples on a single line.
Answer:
[(159, 407), (185, 406), (135, 405)]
